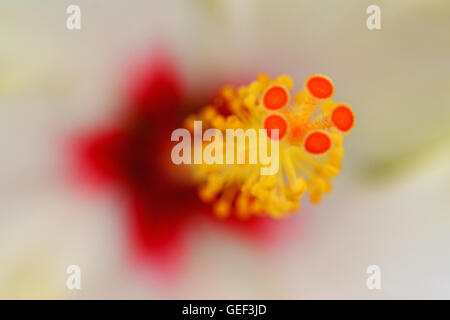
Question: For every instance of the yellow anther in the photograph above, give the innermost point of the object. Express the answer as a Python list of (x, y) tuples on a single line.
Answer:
[(286, 81), (263, 78), (222, 209)]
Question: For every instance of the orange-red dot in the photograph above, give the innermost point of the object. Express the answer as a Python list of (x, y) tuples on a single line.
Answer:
[(275, 98), (317, 142), (343, 118), (320, 87), (275, 121)]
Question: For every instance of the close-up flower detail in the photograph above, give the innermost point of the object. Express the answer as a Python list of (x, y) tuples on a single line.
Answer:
[(309, 130), (224, 150)]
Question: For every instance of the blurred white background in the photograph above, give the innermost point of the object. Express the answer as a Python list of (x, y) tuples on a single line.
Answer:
[(390, 205)]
